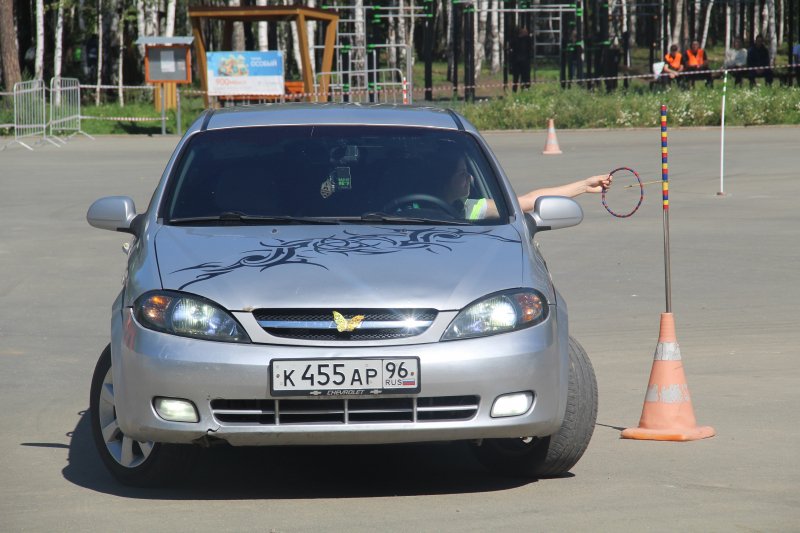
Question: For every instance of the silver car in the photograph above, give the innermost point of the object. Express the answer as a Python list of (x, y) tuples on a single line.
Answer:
[(337, 274)]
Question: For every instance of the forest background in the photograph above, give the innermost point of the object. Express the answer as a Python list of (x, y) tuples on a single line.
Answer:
[(94, 41)]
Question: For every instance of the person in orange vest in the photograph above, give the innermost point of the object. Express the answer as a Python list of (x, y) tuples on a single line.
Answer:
[(695, 61), (673, 65)]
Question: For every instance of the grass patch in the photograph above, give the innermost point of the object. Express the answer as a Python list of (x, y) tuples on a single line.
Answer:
[(579, 108), (190, 110)]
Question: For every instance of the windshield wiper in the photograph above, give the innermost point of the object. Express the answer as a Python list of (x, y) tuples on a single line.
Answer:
[(384, 218), (238, 218)]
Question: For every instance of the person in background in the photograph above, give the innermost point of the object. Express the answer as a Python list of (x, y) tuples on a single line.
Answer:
[(673, 62), (610, 59), (736, 58), (796, 61), (574, 57), (759, 61), (520, 55), (695, 63)]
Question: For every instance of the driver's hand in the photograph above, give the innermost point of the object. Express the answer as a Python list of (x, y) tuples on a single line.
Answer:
[(598, 183)]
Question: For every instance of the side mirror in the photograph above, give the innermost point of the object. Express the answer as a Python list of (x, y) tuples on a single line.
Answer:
[(554, 212), (115, 213)]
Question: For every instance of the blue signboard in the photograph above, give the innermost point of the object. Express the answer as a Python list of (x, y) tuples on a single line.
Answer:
[(244, 73)]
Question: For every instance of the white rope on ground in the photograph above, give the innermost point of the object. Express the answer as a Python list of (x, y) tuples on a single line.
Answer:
[(123, 119), (115, 87)]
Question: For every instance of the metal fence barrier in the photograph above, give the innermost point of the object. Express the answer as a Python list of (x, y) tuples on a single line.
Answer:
[(65, 107), (30, 112)]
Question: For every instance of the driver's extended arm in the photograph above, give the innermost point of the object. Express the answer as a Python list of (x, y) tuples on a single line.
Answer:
[(570, 190)]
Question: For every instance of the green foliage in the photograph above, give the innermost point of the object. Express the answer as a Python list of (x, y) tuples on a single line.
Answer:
[(579, 108), (530, 109)]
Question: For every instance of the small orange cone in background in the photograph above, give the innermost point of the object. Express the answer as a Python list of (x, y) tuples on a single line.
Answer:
[(551, 145), (667, 413)]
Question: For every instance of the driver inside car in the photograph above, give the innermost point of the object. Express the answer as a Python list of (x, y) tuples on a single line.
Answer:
[(456, 190)]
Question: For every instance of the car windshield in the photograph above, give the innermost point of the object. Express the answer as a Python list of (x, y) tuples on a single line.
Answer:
[(333, 174)]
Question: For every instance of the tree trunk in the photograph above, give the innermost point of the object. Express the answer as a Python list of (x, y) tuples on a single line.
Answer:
[(706, 23), (727, 27), (141, 24), (771, 30), (81, 18), (238, 28), (494, 24), (756, 21), (449, 32), (99, 51), (121, 52), (411, 30), (391, 35), (9, 53), (263, 30), (295, 45), (39, 65), (282, 40), (678, 25), (480, 38), (169, 30), (402, 30), (155, 24), (57, 53)]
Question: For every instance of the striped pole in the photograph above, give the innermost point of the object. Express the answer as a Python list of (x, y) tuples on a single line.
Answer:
[(665, 197), (722, 140)]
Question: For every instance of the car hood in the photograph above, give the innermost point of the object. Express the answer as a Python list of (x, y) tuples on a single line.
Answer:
[(348, 266)]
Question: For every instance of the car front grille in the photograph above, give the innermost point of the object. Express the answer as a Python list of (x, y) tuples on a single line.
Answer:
[(344, 410), (320, 324)]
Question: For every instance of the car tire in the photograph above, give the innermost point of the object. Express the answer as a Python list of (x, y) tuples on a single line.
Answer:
[(131, 462), (555, 455)]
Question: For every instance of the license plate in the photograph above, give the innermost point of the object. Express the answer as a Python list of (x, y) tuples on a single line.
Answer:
[(342, 377)]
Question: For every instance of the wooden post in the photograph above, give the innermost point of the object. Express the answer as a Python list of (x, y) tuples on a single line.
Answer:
[(327, 56), (202, 66), (305, 59)]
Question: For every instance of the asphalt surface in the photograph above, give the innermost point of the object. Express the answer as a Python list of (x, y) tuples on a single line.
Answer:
[(735, 297)]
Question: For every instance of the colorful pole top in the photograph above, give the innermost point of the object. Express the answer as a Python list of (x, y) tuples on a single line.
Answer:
[(664, 168)]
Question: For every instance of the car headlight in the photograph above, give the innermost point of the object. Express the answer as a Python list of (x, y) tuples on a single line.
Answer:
[(188, 316), (498, 313)]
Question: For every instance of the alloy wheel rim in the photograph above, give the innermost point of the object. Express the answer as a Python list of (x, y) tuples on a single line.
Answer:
[(126, 451)]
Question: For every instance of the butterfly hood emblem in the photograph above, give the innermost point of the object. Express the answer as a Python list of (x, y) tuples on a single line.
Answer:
[(344, 325)]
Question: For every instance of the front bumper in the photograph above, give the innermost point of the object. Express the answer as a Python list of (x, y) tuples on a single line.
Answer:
[(147, 364)]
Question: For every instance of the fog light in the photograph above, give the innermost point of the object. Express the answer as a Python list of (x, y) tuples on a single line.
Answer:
[(514, 404), (175, 410)]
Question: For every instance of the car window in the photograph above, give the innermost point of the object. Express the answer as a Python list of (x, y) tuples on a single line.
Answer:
[(337, 172)]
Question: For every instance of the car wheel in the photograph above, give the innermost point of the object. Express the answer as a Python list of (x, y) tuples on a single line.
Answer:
[(132, 462), (551, 456)]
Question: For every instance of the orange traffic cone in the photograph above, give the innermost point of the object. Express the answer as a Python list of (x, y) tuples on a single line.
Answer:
[(667, 413), (551, 145)]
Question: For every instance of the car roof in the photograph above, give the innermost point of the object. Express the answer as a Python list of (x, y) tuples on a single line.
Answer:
[(332, 114)]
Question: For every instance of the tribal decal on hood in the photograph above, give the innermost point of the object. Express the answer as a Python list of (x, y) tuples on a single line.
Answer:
[(307, 251)]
